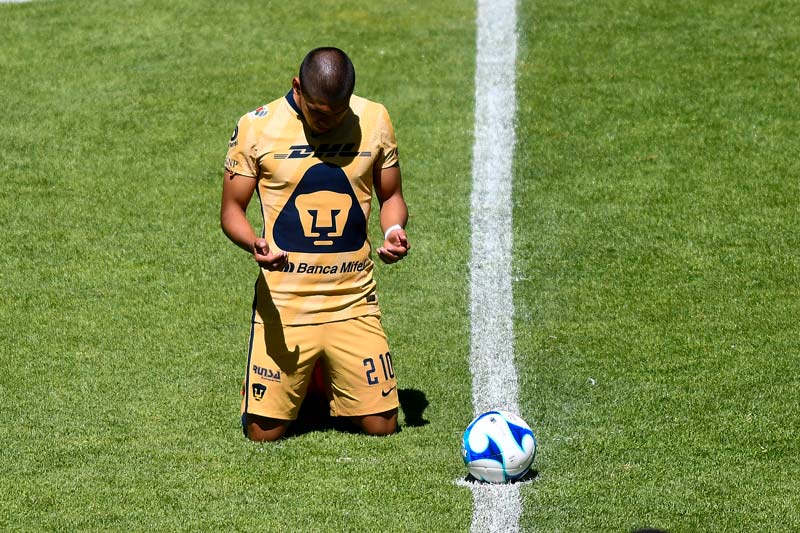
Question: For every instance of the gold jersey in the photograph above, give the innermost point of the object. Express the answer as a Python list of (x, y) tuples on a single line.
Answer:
[(315, 193)]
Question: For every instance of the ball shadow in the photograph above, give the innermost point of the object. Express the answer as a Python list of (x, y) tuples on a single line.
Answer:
[(531, 475)]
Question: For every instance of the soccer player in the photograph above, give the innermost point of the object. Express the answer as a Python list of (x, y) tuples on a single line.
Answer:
[(314, 158)]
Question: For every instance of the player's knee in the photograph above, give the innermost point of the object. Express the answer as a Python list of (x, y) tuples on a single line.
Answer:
[(260, 429), (381, 429), (379, 425), (258, 435)]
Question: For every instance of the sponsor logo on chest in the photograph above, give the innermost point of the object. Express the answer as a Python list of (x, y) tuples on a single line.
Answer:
[(299, 151), (345, 267)]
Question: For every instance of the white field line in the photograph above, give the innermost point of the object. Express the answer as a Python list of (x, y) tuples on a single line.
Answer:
[(494, 379)]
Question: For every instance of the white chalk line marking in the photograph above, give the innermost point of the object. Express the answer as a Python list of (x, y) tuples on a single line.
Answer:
[(494, 379)]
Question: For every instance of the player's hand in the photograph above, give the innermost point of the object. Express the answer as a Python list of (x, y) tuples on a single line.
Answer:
[(395, 247), (266, 259)]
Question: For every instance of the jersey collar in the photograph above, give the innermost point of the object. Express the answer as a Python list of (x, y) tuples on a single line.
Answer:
[(292, 104)]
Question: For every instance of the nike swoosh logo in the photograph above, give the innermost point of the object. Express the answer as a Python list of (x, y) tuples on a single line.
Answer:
[(386, 393)]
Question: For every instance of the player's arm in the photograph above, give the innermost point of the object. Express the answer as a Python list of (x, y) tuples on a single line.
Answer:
[(394, 212), (237, 190)]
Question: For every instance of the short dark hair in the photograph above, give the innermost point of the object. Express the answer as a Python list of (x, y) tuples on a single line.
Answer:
[(327, 74)]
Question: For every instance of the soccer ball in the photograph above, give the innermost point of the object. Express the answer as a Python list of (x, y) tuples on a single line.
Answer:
[(498, 447)]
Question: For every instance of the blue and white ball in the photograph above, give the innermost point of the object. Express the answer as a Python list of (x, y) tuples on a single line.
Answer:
[(498, 447)]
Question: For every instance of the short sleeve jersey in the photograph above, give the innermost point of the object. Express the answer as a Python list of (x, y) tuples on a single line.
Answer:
[(315, 193)]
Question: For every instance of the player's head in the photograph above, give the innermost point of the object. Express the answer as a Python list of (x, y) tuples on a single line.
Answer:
[(323, 88), (327, 74)]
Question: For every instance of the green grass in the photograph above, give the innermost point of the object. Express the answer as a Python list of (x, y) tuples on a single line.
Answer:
[(656, 267), (656, 253), (125, 310)]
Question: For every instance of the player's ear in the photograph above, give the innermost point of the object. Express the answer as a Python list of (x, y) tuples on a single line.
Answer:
[(296, 85)]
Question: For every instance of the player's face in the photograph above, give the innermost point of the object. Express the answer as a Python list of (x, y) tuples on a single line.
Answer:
[(321, 116)]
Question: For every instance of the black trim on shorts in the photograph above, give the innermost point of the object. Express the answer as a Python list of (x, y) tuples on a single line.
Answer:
[(249, 356)]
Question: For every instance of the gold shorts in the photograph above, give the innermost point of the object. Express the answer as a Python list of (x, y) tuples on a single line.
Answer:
[(356, 366)]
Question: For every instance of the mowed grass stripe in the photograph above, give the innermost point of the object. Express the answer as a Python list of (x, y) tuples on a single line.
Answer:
[(656, 264), (126, 310)]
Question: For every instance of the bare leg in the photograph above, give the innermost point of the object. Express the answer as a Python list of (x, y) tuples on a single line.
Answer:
[(377, 424), (262, 429)]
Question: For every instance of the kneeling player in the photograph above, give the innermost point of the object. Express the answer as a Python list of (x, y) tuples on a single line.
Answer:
[(314, 156)]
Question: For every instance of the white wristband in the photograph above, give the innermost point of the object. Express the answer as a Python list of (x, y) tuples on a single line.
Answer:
[(390, 230)]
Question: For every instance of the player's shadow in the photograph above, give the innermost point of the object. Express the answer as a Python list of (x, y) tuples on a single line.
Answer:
[(314, 414), (343, 152), (413, 403)]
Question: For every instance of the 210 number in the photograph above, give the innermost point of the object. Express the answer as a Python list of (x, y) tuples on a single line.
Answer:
[(386, 365)]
